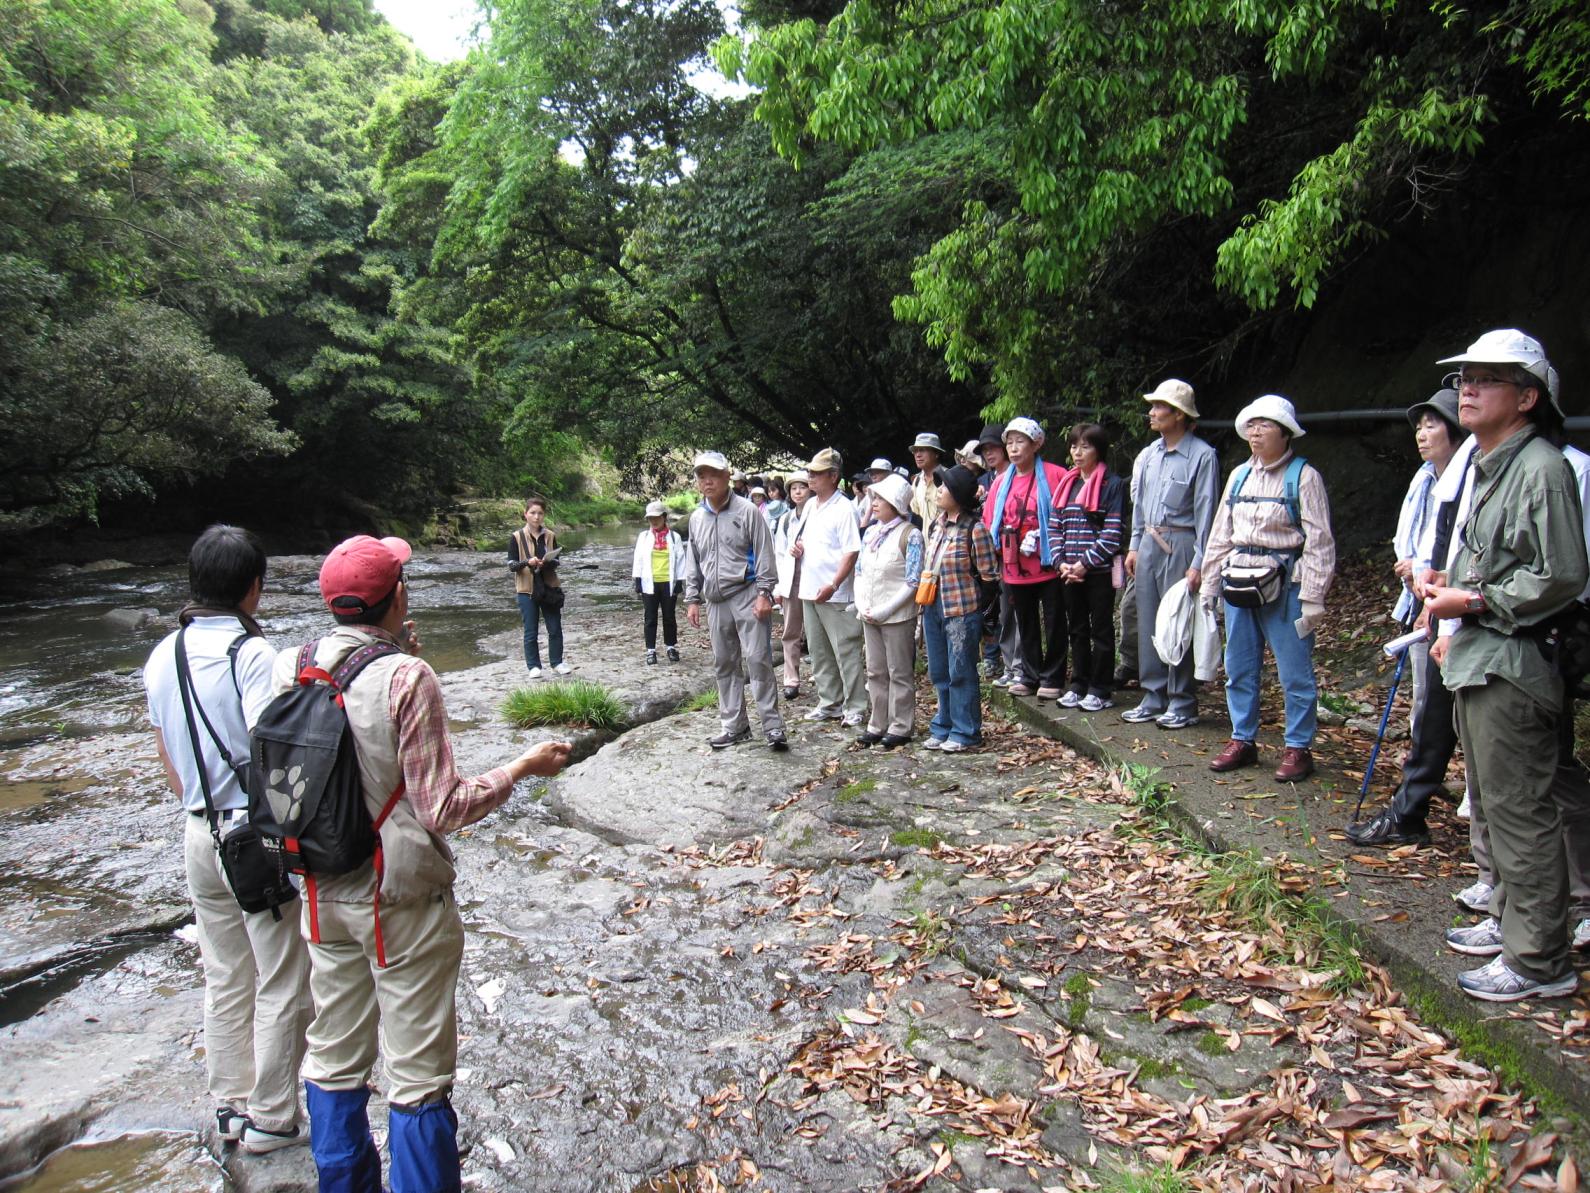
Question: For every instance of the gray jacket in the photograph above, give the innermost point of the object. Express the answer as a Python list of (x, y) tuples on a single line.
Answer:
[(728, 551)]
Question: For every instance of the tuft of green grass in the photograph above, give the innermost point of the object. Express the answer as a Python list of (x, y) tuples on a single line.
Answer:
[(924, 838), (1163, 1179), (1247, 884), (568, 702), (701, 700), (854, 790)]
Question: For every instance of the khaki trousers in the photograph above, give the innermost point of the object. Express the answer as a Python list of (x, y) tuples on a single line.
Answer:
[(835, 641), (256, 992), (742, 646), (1510, 745), (413, 999), (891, 676), (794, 624)]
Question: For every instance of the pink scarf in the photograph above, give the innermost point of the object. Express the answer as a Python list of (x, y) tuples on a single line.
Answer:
[(659, 538), (1088, 496)]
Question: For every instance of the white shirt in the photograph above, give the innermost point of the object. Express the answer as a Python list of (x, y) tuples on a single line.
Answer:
[(830, 532), (207, 641)]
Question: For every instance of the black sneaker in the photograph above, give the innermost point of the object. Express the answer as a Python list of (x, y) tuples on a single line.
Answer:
[(790, 693), (777, 741), (869, 738), (724, 740), (893, 741), (651, 657), (673, 654), (1386, 828)]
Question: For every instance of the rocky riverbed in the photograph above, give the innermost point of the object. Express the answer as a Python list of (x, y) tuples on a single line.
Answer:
[(831, 969)]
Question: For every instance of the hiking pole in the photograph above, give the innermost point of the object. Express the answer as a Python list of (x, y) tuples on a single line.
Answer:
[(1380, 735)]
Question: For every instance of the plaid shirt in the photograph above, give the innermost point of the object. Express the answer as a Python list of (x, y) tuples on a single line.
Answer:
[(443, 800), (961, 552)]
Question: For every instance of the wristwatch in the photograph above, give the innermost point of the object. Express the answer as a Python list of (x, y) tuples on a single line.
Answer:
[(1475, 603)]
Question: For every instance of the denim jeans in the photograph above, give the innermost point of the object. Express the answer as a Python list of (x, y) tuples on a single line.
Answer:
[(531, 613), (1247, 630), (952, 649)]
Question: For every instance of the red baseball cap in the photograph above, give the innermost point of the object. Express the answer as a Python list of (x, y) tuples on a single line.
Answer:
[(361, 572)]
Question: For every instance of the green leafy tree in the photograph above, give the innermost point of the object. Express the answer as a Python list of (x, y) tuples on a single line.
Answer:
[(1246, 148)]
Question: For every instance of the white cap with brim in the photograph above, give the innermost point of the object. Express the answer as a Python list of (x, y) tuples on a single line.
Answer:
[(656, 509), (1273, 407), (716, 461), (1025, 426), (1509, 346), (895, 491), (1177, 394), (798, 478), (880, 465)]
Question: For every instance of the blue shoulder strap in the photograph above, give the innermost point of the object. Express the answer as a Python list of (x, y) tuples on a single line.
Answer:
[(1237, 483), (1292, 483)]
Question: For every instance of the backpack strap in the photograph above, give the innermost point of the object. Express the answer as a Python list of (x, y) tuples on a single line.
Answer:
[(380, 869), (1292, 484)]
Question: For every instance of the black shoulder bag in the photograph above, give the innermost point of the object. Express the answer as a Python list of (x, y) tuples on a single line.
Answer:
[(257, 877)]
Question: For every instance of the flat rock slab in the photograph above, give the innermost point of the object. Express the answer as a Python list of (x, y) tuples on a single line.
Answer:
[(661, 784)]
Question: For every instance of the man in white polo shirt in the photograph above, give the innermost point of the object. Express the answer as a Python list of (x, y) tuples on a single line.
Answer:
[(256, 968), (830, 541)]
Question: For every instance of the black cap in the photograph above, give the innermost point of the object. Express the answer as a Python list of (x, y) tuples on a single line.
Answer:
[(992, 433), (962, 485), (1443, 403)]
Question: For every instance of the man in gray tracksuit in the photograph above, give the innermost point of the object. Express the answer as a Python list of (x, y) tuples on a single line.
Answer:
[(729, 562)]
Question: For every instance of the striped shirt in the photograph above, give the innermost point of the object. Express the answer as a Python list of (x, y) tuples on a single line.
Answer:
[(957, 550), (1246, 530), (1092, 538)]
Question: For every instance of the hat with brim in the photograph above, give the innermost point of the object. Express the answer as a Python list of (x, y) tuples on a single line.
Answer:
[(755, 489), (716, 461), (1273, 407), (656, 509), (827, 460), (895, 491), (880, 465), (962, 484), (969, 450), (1443, 403), (798, 478), (992, 433), (361, 572), (928, 440), (1509, 346), (1177, 394)]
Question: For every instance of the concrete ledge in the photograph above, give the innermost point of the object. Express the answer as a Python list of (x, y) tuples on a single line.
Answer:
[(1398, 918)]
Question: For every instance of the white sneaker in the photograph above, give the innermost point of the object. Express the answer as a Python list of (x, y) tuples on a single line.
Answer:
[(1476, 898), (852, 720), (1499, 982), (819, 714), (1581, 934), (258, 1141), (953, 747), (1092, 703), (563, 669), (1070, 699), (1483, 939), (535, 673), (933, 743), (1464, 809)]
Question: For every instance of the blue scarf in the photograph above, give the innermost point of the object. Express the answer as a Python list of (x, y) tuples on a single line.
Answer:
[(1045, 555)]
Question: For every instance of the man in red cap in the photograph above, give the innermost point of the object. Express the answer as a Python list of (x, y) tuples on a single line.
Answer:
[(400, 968)]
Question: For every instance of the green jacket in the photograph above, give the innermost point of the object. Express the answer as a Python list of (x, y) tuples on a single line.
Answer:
[(1522, 548)]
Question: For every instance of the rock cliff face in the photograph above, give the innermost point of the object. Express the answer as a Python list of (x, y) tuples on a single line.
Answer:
[(1508, 250)]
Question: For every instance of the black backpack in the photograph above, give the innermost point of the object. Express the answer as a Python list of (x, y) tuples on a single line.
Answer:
[(305, 795)]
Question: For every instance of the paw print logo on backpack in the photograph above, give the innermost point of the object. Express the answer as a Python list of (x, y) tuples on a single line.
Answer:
[(286, 805)]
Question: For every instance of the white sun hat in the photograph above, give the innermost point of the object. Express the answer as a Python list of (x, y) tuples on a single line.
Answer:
[(1273, 407)]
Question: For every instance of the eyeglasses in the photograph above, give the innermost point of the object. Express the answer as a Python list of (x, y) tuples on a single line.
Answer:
[(1460, 381)]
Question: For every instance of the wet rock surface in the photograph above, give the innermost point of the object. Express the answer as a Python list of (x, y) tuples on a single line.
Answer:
[(829, 969)]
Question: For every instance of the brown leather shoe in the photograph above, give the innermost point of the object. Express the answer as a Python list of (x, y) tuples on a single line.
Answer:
[(1296, 764), (1237, 753)]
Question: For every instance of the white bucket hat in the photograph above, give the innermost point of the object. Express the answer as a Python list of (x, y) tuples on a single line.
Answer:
[(1509, 346), (1026, 426), (717, 461), (656, 509), (1273, 407), (880, 465), (928, 439), (894, 490), (1175, 393)]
